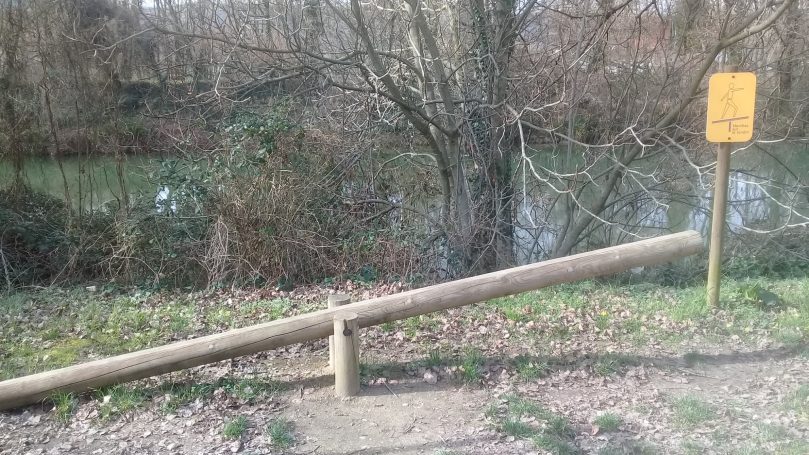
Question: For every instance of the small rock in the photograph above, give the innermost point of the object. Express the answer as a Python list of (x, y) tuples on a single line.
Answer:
[(430, 377), (236, 446)]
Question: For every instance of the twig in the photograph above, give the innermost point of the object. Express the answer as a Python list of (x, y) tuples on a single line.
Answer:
[(389, 389), (692, 373)]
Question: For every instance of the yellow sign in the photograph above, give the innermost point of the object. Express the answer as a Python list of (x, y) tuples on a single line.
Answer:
[(731, 105)]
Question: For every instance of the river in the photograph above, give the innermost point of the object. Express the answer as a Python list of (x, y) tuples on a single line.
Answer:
[(767, 191)]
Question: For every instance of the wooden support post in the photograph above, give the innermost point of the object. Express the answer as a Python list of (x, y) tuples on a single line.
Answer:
[(336, 300), (720, 202), (346, 354), (319, 324)]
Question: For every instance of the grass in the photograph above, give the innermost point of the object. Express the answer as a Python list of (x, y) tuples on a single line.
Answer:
[(769, 438), (72, 325), (434, 359), (183, 393), (516, 428), (529, 368), (388, 327), (234, 428), (526, 419), (265, 310), (64, 405), (279, 433), (691, 412), (471, 363), (119, 399), (611, 363), (798, 401), (371, 370), (608, 422), (247, 389)]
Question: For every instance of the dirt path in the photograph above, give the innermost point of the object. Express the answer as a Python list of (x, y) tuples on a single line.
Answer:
[(403, 414)]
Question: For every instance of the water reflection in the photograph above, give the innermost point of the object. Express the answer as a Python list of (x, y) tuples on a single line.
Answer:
[(764, 194), (754, 203)]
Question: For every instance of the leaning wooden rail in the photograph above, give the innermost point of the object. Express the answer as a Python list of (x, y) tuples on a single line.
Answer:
[(319, 324)]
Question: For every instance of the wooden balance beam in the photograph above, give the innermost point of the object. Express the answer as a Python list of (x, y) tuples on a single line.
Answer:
[(319, 324)]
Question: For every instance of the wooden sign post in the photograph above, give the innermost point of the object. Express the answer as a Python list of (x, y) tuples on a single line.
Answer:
[(731, 105)]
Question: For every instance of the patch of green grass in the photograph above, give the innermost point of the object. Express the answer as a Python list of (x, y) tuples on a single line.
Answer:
[(611, 363), (527, 419), (279, 433), (52, 333), (798, 400), (235, 428), (690, 304), (411, 326), (221, 316), (177, 317), (515, 427), (556, 445), (424, 323), (388, 327), (514, 307), (792, 325), (65, 352), (23, 357), (608, 422), (119, 399), (64, 404), (370, 370), (491, 411), (433, 359), (690, 412), (602, 321), (520, 407), (471, 364), (183, 393), (529, 368), (247, 389), (14, 303), (265, 310), (771, 433)]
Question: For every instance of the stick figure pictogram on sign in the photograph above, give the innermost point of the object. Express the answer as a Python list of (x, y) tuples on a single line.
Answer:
[(731, 107), (728, 99)]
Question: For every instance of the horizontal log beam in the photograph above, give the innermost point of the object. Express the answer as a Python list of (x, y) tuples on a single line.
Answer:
[(319, 324)]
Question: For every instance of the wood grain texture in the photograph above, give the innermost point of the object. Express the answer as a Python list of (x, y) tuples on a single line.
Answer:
[(346, 355), (319, 324), (334, 301)]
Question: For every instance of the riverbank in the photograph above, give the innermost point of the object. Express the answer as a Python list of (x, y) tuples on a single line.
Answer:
[(591, 367)]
